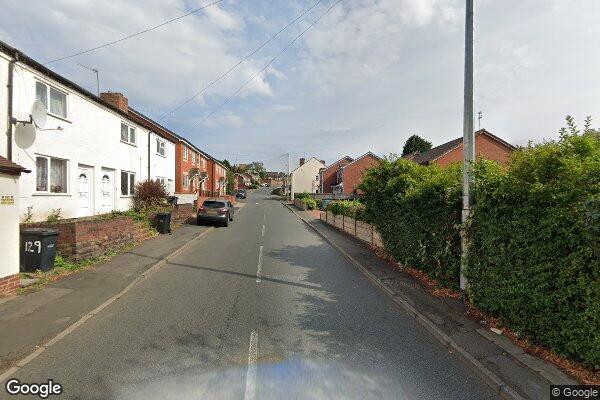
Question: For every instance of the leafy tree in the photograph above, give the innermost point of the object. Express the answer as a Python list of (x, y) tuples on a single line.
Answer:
[(415, 143)]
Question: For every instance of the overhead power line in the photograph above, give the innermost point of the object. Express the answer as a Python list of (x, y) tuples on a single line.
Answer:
[(265, 67), (134, 34), (253, 52)]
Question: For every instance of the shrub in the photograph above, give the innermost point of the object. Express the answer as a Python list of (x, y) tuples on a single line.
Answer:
[(534, 254), (349, 208), (303, 195), (311, 204), (417, 211), (54, 216), (151, 196)]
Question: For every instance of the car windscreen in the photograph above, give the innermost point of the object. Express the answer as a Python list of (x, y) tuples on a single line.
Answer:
[(213, 204)]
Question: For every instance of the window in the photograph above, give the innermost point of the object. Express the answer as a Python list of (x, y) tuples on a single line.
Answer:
[(51, 175), (127, 133), (162, 180), (169, 185), (185, 152), (194, 157), (58, 99), (127, 183), (160, 147), (186, 180)]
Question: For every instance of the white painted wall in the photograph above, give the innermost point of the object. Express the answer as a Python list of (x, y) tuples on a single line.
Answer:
[(305, 178), (162, 166), (90, 136), (9, 231), (3, 104)]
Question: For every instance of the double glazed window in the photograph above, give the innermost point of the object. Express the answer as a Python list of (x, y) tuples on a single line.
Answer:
[(186, 180), (127, 133), (51, 175), (185, 152), (127, 183), (160, 147), (55, 100)]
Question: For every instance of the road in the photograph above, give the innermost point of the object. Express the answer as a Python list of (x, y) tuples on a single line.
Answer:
[(252, 312)]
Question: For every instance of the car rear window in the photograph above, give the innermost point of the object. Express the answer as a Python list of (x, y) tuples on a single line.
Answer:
[(213, 204)]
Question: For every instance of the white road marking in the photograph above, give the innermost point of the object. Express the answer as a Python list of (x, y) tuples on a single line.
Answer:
[(251, 373), (263, 231), (259, 269)]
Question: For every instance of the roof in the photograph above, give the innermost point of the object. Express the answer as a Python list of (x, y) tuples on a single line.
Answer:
[(429, 156), (350, 159), (364, 155), (25, 59), (11, 168), (306, 162)]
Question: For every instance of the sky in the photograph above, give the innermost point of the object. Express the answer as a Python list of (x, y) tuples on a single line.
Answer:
[(365, 77)]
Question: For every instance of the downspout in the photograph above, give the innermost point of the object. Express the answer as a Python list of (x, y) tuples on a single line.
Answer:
[(10, 87), (149, 153)]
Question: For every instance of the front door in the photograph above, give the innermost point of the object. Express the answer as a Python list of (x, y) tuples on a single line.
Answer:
[(107, 191), (84, 192)]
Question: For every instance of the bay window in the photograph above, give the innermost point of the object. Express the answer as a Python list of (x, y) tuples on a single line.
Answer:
[(51, 175), (127, 183), (54, 99)]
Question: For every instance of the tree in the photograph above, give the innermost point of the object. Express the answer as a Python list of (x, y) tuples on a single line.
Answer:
[(415, 143)]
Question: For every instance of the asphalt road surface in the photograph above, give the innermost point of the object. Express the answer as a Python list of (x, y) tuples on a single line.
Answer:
[(254, 313)]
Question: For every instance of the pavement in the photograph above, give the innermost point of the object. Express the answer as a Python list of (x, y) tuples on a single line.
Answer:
[(507, 368), (263, 309)]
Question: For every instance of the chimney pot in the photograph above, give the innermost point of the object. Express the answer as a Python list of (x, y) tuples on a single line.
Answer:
[(302, 160)]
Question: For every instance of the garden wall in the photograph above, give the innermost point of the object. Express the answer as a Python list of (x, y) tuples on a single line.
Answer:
[(361, 230)]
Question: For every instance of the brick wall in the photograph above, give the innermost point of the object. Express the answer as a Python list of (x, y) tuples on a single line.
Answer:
[(183, 214), (83, 238), (329, 176), (354, 172), (9, 285), (485, 147)]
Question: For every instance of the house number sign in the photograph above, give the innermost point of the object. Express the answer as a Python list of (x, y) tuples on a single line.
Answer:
[(33, 247), (7, 200)]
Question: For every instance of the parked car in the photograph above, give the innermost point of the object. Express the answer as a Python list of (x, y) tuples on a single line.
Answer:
[(241, 194), (218, 211)]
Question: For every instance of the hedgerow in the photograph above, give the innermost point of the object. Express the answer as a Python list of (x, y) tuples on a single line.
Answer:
[(349, 208), (417, 211), (534, 254)]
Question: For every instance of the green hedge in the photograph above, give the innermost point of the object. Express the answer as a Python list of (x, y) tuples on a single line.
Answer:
[(349, 208), (311, 204), (534, 255), (417, 211), (303, 195)]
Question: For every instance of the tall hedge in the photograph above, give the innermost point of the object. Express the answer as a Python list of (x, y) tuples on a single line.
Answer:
[(535, 245), (417, 211)]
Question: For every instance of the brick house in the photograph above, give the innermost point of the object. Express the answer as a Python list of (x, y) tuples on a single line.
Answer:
[(487, 146), (329, 174), (350, 175)]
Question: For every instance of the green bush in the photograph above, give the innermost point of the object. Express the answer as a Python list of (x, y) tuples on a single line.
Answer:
[(303, 195), (534, 254), (417, 211), (311, 204), (349, 208)]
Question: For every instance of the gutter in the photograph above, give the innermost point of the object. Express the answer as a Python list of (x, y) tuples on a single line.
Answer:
[(9, 106)]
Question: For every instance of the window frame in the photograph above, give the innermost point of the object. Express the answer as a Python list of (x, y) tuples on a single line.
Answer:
[(130, 128), (161, 144), (186, 180), (48, 190), (48, 86), (185, 152), (130, 188)]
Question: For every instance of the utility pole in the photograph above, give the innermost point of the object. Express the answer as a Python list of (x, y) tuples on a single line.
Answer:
[(291, 195), (468, 141)]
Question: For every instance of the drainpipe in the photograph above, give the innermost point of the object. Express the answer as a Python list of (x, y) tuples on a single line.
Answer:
[(10, 87), (149, 153)]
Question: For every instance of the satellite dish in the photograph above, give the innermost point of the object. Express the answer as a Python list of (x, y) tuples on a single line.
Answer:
[(24, 135), (38, 114)]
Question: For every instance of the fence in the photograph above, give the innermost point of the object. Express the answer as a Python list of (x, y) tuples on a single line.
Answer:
[(359, 229), (334, 196)]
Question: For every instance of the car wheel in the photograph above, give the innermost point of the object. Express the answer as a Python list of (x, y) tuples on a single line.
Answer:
[(198, 222), (226, 223)]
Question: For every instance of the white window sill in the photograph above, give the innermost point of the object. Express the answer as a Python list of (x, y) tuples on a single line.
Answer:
[(127, 196), (51, 194), (65, 119), (161, 155), (129, 143)]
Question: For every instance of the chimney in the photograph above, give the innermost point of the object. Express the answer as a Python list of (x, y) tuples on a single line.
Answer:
[(323, 161), (302, 160), (116, 100)]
